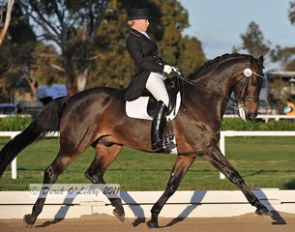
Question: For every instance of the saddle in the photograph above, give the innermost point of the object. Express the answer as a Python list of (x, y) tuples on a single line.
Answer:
[(144, 107), (172, 89)]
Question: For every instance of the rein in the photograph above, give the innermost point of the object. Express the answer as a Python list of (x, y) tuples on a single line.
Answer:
[(231, 101)]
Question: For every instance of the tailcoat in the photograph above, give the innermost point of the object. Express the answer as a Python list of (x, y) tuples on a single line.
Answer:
[(144, 52)]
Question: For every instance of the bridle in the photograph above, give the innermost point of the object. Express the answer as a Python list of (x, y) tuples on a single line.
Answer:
[(237, 103), (248, 73), (239, 106)]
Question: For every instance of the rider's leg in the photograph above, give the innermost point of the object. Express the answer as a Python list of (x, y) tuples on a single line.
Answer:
[(156, 86)]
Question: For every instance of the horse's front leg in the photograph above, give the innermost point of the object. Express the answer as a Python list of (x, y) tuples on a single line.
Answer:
[(180, 167), (217, 159)]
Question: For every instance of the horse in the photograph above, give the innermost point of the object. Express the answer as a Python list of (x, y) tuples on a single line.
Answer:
[(96, 117)]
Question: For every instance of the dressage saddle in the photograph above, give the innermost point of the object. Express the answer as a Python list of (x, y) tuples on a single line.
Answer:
[(173, 87)]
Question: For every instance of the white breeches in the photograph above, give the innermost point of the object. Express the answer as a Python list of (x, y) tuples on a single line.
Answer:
[(155, 85)]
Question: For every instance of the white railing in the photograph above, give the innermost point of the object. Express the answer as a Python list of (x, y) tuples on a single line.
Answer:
[(14, 115), (265, 117), (224, 134)]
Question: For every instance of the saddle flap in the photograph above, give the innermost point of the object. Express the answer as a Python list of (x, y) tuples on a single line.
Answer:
[(138, 108), (144, 107)]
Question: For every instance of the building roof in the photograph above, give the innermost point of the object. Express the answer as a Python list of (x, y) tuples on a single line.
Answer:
[(281, 73)]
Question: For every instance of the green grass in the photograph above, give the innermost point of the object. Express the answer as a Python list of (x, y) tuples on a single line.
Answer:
[(264, 162)]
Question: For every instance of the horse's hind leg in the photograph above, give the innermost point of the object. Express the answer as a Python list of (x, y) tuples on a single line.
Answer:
[(51, 174), (215, 157), (182, 164), (104, 157)]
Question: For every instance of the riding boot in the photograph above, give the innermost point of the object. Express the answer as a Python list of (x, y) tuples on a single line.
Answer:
[(158, 126)]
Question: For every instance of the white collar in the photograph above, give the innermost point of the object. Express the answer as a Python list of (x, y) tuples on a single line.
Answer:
[(144, 33)]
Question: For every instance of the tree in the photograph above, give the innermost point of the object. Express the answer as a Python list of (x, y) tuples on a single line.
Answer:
[(253, 41), (16, 51), (286, 55), (71, 26), (7, 19), (182, 51), (292, 13), (47, 65), (82, 39), (114, 67)]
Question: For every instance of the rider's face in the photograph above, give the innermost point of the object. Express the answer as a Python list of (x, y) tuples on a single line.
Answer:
[(141, 24)]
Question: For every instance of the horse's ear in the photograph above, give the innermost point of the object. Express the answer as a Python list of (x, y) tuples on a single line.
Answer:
[(261, 59)]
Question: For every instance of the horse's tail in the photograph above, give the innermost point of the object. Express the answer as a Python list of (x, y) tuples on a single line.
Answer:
[(47, 120)]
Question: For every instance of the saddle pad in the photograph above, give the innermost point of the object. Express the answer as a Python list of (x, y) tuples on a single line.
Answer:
[(138, 108)]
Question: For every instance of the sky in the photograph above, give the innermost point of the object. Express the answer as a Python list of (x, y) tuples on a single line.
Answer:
[(218, 24)]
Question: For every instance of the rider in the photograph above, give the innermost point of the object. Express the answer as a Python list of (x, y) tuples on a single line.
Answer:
[(291, 107), (149, 74)]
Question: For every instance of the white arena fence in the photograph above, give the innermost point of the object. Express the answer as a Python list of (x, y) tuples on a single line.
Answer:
[(223, 134), (137, 204), (265, 117)]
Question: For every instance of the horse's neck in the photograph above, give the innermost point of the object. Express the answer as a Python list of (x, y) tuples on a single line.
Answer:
[(210, 95), (215, 84)]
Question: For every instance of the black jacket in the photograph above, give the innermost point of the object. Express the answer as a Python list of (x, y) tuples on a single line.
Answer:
[(144, 52)]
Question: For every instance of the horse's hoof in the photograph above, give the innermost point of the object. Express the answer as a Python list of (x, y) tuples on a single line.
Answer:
[(263, 211), (119, 215), (28, 221), (152, 224)]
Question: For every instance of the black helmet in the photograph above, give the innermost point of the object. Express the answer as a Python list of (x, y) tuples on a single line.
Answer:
[(138, 14)]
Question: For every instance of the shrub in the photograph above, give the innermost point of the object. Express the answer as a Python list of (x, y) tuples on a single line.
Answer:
[(19, 123), (238, 124), (15, 123)]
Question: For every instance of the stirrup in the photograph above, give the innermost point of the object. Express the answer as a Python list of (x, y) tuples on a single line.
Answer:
[(162, 146)]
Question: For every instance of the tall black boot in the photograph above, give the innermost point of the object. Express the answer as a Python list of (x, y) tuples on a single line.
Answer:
[(158, 126)]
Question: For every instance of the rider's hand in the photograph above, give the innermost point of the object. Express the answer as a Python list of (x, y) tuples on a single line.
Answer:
[(170, 69), (176, 71), (167, 69)]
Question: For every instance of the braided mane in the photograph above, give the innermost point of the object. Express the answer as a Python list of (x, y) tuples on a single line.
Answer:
[(205, 67)]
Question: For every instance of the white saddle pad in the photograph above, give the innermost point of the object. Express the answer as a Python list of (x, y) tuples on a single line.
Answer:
[(138, 108)]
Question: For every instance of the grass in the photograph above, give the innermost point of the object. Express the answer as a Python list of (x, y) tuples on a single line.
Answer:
[(264, 162)]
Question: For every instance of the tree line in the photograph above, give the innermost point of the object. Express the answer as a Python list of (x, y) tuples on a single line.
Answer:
[(82, 43)]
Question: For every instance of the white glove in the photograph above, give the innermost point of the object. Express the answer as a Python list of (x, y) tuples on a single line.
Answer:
[(169, 69), (176, 71)]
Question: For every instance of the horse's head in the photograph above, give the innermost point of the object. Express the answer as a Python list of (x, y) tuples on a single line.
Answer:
[(238, 73), (248, 83)]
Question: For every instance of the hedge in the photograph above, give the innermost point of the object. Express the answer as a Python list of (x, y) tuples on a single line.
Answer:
[(15, 123), (258, 125), (19, 122)]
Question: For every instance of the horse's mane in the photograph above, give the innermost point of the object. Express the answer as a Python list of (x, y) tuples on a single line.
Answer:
[(209, 64)]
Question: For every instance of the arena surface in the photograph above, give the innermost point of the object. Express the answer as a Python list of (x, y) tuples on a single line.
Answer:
[(249, 222)]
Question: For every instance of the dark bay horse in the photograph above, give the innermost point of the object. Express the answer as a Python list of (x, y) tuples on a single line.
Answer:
[(97, 118)]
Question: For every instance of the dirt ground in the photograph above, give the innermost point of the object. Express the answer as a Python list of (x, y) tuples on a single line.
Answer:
[(249, 222)]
